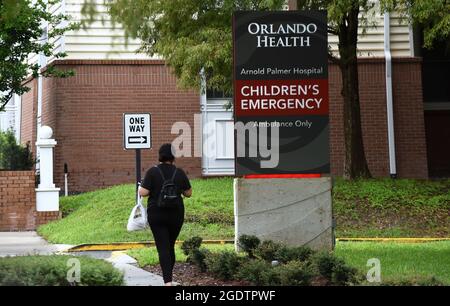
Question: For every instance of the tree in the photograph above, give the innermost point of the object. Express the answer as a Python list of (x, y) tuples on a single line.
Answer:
[(21, 35), (191, 35), (12, 155), (344, 18)]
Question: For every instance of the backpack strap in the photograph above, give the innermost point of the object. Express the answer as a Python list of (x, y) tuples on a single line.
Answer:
[(174, 173), (162, 174)]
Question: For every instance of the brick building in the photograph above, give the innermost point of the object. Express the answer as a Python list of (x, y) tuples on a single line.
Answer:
[(85, 111)]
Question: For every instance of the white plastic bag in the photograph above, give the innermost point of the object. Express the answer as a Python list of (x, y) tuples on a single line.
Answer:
[(138, 217)]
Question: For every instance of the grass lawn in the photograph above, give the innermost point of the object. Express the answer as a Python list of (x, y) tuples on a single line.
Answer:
[(366, 208), (101, 216), (398, 260)]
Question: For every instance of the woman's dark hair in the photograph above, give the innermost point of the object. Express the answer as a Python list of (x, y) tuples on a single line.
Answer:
[(165, 153)]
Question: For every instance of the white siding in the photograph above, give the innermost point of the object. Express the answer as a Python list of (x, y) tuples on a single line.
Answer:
[(371, 43), (102, 41)]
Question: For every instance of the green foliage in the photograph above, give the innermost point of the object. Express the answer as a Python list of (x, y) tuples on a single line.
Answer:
[(195, 35), (325, 263), (195, 254), (344, 275), (335, 270), (198, 257), (268, 250), (295, 273), (223, 265), (191, 244), (286, 254), (53, 271), (21, 35), (249, 244), (259, 273), (12, 155), (414, 281), (434, 17), (189, 35)]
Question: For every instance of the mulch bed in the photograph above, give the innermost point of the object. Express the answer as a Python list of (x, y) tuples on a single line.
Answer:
[(189, 275)]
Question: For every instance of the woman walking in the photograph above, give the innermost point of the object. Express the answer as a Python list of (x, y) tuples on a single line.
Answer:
[(165, 222)]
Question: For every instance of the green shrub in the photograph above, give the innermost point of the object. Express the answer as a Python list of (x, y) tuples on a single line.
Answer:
[(268, 250), (286, 254), (53, 271), (259, 273), (295, 273), (12, 155), (198, 256), (223, 265), (191, 244), (249, 244), (414, 281), (335, 270), (325, 263), (344, 275)]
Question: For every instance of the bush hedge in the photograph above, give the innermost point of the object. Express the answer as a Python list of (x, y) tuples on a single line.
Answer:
[(249, 244), (297, 266), (224, 265), (258, 272), (53, 271), (12, 155)]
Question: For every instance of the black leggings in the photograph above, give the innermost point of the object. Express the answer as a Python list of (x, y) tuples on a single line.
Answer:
[(165, 226)]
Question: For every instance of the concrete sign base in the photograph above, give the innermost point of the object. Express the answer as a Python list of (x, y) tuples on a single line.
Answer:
[(293, 211)]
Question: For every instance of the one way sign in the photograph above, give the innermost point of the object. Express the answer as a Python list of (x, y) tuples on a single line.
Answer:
[(137, 131)]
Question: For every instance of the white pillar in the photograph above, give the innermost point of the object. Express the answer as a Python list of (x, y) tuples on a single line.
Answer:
[(47, 195)]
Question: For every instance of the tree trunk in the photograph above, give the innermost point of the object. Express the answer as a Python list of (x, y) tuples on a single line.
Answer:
[(355, 163)]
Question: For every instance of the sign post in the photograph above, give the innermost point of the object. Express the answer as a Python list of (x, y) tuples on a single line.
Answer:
[(281, 127), (137, 136)]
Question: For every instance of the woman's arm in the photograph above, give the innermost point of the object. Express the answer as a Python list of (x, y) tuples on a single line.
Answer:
[(143, 192), (188, 193)]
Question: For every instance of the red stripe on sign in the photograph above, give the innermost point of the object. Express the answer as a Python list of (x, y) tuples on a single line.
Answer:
[(281, 97), (260, 176)]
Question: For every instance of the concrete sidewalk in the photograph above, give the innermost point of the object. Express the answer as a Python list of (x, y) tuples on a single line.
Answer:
[(26, 243), (133, 275)]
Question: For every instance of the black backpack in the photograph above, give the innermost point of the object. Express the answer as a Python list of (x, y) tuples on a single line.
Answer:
[(169, 192)]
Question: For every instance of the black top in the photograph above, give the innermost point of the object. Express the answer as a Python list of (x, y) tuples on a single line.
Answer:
[(153, 181)]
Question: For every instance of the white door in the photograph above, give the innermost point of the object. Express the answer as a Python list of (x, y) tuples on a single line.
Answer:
[(218, 138)]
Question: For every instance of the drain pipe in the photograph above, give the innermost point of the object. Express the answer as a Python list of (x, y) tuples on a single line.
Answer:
[(389, 98), (66, 183)]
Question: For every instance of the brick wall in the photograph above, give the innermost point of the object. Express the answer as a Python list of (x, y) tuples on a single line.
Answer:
[(18, 202), (85, 112), (86, 115), (408, 118), (28, 115)]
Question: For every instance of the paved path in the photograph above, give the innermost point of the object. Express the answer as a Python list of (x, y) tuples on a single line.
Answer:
[(30, 243), (26, 243), (134, 276)]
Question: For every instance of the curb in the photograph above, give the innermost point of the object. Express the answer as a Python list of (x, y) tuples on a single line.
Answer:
[(399, 240), (123, 246)]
